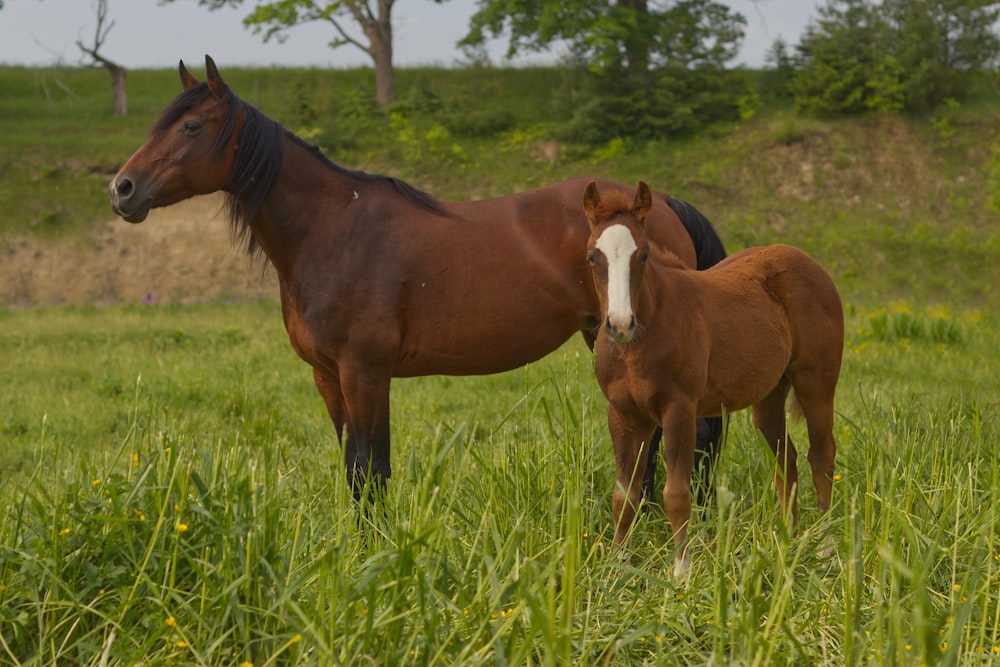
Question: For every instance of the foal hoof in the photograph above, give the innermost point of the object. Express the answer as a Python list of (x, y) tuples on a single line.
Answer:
[(682, 565), (828, 549)]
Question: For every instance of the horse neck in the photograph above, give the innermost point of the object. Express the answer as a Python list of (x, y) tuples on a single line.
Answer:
[(664, 287), (306, 195)]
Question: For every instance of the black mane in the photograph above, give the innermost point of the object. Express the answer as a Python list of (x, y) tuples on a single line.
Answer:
[(258, 161)]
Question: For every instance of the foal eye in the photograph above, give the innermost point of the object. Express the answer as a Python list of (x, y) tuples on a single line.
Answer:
[(190, 127), (643, 257), (591, 258)]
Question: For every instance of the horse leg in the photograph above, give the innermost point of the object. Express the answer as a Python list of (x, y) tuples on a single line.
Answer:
[(649, 478), (706, 453), (679, 434), (815, 397), (629, 438), (366, 396), (329, 388), (769, 419)]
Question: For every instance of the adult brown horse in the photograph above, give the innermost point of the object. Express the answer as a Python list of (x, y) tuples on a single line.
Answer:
[(377, 279), (677, 344)]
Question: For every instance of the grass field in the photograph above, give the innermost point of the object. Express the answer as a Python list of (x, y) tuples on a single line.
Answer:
[(173, 494)]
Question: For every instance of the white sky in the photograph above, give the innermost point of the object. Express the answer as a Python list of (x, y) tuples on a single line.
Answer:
[(149, 35)]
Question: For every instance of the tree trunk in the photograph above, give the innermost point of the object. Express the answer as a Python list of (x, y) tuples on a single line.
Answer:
[(637, 43), (385, 76), (379, 33), (119, 100)]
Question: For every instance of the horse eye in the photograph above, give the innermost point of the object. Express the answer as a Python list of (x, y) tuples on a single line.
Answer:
[(591, 258), (643, 257), (190, 128)]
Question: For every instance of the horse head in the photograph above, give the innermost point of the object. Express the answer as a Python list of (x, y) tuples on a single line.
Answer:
[(190, 150), (617, 251)]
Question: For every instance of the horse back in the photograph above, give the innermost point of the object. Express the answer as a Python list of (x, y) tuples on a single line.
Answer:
[(801, 287)]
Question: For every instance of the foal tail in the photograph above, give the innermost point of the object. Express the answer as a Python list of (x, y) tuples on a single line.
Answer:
[(707, 244)]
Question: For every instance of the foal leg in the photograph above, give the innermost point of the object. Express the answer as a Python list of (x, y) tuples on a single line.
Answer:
[(679, 431), (706, 452), (769, 419), (630, 439)]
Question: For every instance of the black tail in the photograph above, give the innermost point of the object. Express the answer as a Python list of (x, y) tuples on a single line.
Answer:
[(709, 251), (707, 245)]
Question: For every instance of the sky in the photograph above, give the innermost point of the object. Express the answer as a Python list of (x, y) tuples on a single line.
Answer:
[(147, 34)]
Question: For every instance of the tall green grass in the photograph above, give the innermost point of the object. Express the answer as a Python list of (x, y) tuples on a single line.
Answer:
[(208, 520)]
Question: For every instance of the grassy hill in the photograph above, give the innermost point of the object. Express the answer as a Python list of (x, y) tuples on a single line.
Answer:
[(897, 209)]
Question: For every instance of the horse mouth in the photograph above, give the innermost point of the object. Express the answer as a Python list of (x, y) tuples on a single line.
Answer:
[(134, 216), (620, 337)]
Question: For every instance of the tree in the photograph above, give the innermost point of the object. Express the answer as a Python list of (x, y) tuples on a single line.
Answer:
[(650, 66), (780, 71), (117, 72), (374, 17), (894, 55), (630, 34)]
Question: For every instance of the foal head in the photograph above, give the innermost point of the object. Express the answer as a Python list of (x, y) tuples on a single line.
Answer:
[(617, 251)]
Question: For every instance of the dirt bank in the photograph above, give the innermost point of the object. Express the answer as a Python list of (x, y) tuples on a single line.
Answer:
[(180, 253)]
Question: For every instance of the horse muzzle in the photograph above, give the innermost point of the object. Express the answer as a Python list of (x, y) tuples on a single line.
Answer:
[(620, 330), (124, 201)]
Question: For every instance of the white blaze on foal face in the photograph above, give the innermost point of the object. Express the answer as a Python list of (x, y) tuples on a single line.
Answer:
[(618, 246)]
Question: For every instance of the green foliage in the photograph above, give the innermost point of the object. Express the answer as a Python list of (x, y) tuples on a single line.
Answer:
[(616, 35), (780, 71), (671, 102), (892, 56)]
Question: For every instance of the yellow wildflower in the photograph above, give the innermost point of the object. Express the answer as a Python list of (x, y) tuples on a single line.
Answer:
[(181, 527), (171, 621), (64, 531)]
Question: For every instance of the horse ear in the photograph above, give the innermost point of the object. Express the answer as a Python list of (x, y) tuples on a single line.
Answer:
[(591, 200), (216, 85), (643, 201), (187, 79)]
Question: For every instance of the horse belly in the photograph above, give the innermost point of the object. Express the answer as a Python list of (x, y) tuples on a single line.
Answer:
[(747, 366), (474, 351)]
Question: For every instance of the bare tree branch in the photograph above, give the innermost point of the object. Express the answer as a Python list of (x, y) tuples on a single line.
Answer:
[(116, 71)]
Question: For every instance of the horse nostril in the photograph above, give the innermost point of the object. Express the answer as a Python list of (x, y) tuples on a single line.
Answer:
[(124, 187)]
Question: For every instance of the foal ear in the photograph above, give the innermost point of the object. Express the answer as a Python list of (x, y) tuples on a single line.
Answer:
[(187, 79), (643, 201), (591, 200), (216, 85)]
